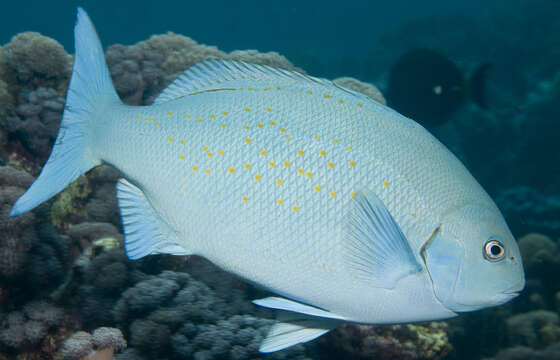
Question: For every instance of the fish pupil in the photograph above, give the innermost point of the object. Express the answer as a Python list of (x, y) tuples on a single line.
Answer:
[(495, 250)]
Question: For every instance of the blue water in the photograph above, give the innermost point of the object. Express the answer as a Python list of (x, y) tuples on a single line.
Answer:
[(511, 148)]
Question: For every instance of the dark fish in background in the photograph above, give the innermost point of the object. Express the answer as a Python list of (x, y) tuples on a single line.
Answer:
[(427, 87)]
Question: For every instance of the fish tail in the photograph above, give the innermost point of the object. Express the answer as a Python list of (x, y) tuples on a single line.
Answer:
[(90, 90)]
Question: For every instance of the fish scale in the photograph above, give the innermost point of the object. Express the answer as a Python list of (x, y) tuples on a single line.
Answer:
[(341, 206)]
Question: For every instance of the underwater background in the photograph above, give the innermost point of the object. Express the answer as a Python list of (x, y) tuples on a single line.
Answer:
[(66, 287)]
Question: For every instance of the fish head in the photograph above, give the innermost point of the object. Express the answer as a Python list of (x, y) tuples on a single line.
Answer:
[(473, 260)]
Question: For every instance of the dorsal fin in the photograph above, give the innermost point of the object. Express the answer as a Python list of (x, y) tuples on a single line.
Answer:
[(213, 75)]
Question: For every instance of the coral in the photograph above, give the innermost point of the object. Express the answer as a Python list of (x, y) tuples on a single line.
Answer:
[(361, 87), (536, 329), (408, 341), (525, 353), (142, 70), (27, 328), (540, 254), (105, 337), (70, 203), (177, 315), (77, 346), (17, 235), (32, 57), (36, 120)]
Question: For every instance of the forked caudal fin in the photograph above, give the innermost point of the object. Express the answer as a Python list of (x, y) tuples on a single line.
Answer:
[(90, 89)]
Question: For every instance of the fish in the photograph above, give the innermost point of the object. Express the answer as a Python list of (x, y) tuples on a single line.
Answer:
[(426, 86), (345, 210)]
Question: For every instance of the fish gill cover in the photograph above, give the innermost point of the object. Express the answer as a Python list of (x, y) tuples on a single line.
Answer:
[(62, 280)]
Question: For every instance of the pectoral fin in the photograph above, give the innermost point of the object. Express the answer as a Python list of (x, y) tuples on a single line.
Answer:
[(376, 248)]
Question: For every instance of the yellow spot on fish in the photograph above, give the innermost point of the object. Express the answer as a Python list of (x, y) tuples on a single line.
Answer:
[(268, 109), (309, 92), (350, 148), (247, 140), (245, 199), (322, 153), (182, 157), (148, 119), (246, 127), (317, 188), (351, 163), (199, 120), (223, 126), (247, 166), (360, 105), (272, 123), (138, 117), (221, 152), (330, 165), (263, 152), (272, 164), (207, 171), (288, 137), (158, 123), (295, 208), (280, 201), (385, 184), (247, 109), (282, 130), (170, 139), (182, 141), (188, 116), (205, 148), (279, 182), (170, 113), (195, 168), (332, 194), (266, 89), (210, 154), (335, 141), (212, 116), (258, 177), (341, 101), (300, 171), (286, 163), (231, 170), (260, 125), (317, 137), (225, 113), (300, 152), (278, 88), (326, 96), (352, 194), (309, 175), (250, 89)]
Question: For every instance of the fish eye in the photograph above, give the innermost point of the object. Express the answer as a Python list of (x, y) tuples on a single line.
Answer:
[(494, 250)]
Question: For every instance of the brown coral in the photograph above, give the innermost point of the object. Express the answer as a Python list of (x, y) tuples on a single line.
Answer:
[(361, 87), (407, 341), (30, 57)]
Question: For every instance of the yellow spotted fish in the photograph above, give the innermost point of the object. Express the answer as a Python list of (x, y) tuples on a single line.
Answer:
[(345, 209)]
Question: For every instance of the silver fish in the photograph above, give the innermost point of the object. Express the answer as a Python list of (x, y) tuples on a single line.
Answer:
[(345, 209)]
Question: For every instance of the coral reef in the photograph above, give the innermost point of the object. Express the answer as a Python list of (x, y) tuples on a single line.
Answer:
[(409, 341), (17, 234), (34, 330), (361, 87), (31, 58), (100, 345), (174, 314), (142, 70)]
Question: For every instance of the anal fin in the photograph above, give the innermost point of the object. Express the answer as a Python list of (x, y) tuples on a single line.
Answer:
[(297, 323), (295, 328), (145, 231)]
